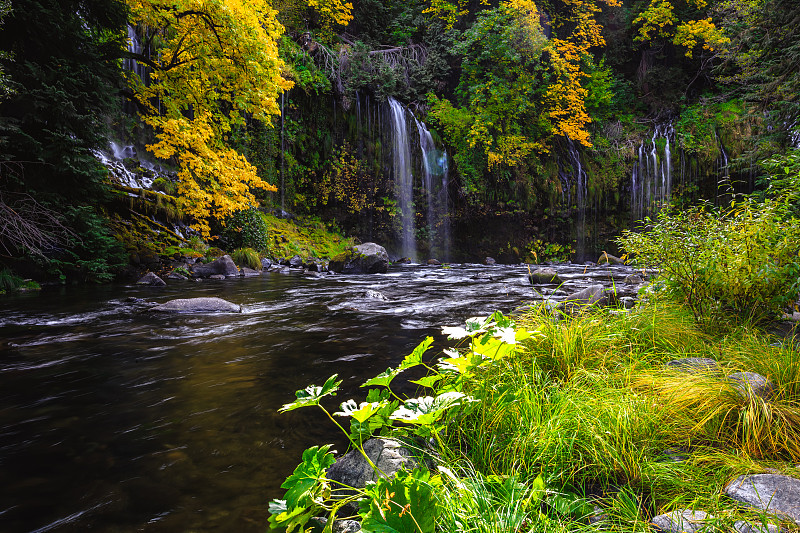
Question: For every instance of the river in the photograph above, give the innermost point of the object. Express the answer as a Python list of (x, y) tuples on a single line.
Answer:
[(113, 418)]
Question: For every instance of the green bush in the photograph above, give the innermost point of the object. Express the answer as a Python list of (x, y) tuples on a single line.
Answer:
[(245, 229), (742, 259), (246, 257)]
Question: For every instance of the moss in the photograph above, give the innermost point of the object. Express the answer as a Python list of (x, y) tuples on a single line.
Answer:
[(304, 237)]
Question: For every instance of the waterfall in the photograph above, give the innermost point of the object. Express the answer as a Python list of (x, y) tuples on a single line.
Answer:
[(404, 179), (434, 169), (651, 176)]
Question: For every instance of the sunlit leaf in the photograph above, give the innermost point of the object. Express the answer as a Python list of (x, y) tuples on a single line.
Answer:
[(383, 379), (405, 503), (312, 394), (307, 476), (415, 357), (428, 381)]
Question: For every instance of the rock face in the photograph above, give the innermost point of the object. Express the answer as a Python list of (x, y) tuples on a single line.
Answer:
[(152, 280), (544, 275), (198, 305), (750, 383), (224, 266), (388, 455), (368, 258), (774, 493), (608, 259), (686, 521)]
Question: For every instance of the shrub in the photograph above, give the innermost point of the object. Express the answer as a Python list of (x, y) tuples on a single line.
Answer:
[(246, 257), (742, 259), (245, 229)]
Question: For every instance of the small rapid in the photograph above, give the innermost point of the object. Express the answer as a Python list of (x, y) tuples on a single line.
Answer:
[(116, 419)]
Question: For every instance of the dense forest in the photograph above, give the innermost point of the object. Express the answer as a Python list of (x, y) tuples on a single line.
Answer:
[(522, 130)]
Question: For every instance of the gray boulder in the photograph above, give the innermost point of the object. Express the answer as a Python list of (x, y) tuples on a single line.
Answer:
[(774, 493), (489, 261), (367, 258), (198, 305), (693, 365), (434, 262), (388, 455), (247, 272), (375, 295), (608, 259), (742, 526), (176, 276), (224, 266), (265, 263), (594, 295), (296, 262), (634, 279), (686, 521), (152, 280), (750, 383), (544, 275)]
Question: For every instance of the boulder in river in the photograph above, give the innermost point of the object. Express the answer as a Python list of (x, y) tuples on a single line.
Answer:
[(489, 261), (198, 305), (773, 493), (432, 261), (593, 295), (152, 280), (265, 263), (224, 266), (608, 259), (296, 262), (544, 275), (367, 258)]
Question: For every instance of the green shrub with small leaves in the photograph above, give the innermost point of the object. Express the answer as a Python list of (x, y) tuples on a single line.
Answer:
[(245, 229)]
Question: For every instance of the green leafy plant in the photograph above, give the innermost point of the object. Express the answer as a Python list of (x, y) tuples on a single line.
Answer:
[(245, 229)]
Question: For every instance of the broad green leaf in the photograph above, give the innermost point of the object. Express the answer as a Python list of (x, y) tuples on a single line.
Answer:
[(288, 520), (360, 412), (405, 503), (415, 358), (426, 410), (384, 378), (309, 477), (428, 381), (312, 394)]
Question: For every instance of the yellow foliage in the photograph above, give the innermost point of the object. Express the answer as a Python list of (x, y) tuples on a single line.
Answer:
[(449, 12), (693, 32)]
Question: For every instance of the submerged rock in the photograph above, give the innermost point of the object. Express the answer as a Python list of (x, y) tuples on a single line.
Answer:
[(224, 266), (774, 493), (198, 305), (152, 280), (544, 275)]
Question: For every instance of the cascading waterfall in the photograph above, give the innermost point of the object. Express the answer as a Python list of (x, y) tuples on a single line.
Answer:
[(404, 179), (581, 195), (651, 177), (434, 165)]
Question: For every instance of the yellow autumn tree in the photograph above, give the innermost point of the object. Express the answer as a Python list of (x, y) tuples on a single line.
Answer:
[(566, 98), (213, 63), (659, 20)]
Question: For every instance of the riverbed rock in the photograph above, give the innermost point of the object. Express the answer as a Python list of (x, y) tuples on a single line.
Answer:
[(224, 266), (634, 279), (388, 455), (176, 276), (776, 494), (608, 259), (296, 261), (750, 383), (489, 261), (248, 272), (198, 305), (693, 365), (151, 280), (593, 295), (685, 521), (432, 261), (367, 258), (375, 295), (266, 263), (544, 275)]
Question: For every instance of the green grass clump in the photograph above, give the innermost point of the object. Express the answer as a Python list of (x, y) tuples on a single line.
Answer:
[(246, 257), (10, 282)]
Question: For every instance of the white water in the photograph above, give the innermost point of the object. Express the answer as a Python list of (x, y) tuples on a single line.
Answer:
[(651, 177), (404, 179)]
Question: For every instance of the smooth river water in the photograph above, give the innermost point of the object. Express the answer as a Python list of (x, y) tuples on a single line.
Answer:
[(116, 419)]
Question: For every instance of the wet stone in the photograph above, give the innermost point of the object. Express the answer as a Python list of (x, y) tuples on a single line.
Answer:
[(151, 280)]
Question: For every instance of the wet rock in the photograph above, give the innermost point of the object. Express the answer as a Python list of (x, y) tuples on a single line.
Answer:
[(176, 276), (224, 266), (634, 279), (198, 305), (627, 302), (266, 263), (403, 260), (296, 262), (544, 275), (388, 455), (316, 266), (152, 280), (375, 295), (489, 261), (608, 259), (434, 262), (247, 272), (693, 365), (686, 521), (217, 276), (367, 258), (482, 276), (592, 295), (750, 383), (774, 493)]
